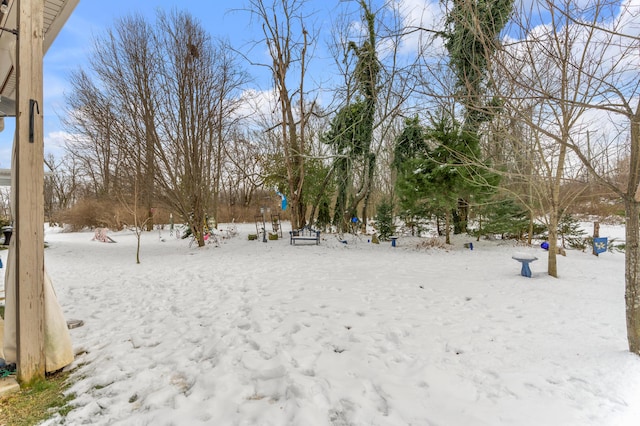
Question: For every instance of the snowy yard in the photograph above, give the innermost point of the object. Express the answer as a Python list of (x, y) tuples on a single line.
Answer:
[(253, 333)]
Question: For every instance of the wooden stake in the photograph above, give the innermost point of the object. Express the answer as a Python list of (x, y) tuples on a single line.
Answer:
[(596, 234), (29, 169)]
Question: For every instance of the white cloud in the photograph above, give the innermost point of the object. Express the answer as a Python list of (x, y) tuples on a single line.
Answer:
[(628, 20), (421, 15), (257, 103), (54, 142)]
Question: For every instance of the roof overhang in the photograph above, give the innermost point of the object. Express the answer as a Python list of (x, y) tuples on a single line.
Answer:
[(56, 13)]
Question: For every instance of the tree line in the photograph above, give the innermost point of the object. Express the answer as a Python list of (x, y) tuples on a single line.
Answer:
[(493, 108)]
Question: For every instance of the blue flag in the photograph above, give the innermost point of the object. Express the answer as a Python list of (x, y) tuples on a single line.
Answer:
[(600, 245)]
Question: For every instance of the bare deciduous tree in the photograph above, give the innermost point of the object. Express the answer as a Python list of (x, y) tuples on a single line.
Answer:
[(160, 113), (94, 131), (60, 186), (374, 90), (289, 40), (578, 63)]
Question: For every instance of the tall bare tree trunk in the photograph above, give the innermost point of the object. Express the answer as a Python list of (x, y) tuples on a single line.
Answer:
[(286, 37), (632, 238), (149, 171), (632, 275), (447, 227)]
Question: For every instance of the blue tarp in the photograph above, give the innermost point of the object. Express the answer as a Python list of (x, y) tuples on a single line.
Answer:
[(284, 200)]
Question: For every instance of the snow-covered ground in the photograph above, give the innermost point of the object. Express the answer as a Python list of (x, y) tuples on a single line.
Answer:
[(253, 333)]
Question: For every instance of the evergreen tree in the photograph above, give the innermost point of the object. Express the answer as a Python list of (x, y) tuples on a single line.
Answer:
[(410, 151), (434, 169), (471, 37), (505, 217), (570, 231), (429, 182), (384, 220), (411, 143)]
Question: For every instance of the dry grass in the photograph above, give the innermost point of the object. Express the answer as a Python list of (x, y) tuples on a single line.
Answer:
[(36, 403), (432, 243)]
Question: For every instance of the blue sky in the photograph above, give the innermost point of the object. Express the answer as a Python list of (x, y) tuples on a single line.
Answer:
[(91, 18), (71, 49)]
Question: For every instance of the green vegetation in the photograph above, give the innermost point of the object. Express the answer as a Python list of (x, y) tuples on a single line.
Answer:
[(38, 402), (384, 220), (570, 233), (436, 176), (505, 217)]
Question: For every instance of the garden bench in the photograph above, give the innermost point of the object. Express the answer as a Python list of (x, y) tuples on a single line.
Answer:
[(304, 234)]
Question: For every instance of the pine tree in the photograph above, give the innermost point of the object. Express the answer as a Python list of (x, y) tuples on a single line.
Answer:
[(506, 218), (384, 220), (570, 232), (434, 169)]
